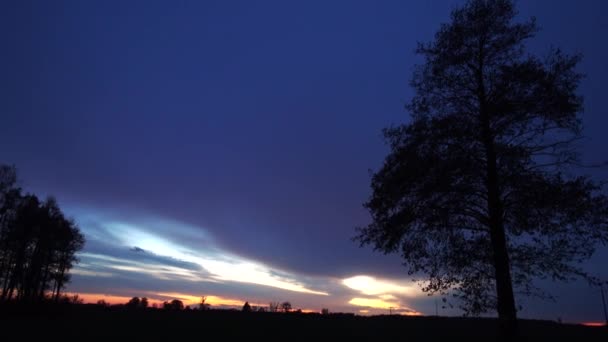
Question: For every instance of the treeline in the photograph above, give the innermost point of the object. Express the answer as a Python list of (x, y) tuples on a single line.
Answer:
[(178, 305), (37, 243)]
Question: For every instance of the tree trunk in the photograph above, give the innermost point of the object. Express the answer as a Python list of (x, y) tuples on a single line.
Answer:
[(7, 277), (59, 281), (45, 279), (16, 278), (507, 314)]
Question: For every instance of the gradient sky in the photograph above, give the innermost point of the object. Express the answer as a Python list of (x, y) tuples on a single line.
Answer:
[(223, 148)]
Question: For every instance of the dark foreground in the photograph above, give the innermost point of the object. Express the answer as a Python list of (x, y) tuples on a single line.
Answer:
[(90, 322)]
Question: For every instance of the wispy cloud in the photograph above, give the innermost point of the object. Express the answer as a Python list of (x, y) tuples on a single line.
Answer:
[(85, 272), (165, 260), (160, 268), (160, 256), (254, 273)]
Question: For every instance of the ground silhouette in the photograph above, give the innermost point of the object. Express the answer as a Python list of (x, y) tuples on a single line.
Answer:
[(72, 322)]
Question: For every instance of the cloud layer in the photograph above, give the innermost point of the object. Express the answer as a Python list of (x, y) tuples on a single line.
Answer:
[(160, 258)]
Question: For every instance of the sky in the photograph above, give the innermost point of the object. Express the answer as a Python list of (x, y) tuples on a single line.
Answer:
[(224, 148)]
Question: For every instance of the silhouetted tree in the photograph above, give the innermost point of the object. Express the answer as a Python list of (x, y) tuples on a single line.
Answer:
[(133, 303), (73, 299), (143, 303), (37, 243), (324, 311), (273, 306), (175, 305), (286, 306), (103, 303), (475, 192), (203, 305), (246, 307)]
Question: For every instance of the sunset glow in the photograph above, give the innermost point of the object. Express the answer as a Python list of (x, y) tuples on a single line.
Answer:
[(373, 303), (93, 298), (594, 324), (393, 306), (211, 300), (330, 155), (368, 285)]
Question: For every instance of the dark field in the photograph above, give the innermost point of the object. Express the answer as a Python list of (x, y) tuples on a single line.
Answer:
[(88, 322)]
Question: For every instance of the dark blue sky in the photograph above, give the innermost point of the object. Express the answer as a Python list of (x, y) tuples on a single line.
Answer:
[(240, 129)]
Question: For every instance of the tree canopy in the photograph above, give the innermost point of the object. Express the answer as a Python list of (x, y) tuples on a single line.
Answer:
[(37, 243), (480, 191)]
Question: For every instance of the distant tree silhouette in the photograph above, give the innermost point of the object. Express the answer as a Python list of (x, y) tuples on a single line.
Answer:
[(177, 304), (325, 311), (246, 307), (143, 303), (37, 243), (103, 303), (73, 299), (476, 191), (133, 303), (203, 305), (286, 306), (261, 309), (273, 306), (174, 305)]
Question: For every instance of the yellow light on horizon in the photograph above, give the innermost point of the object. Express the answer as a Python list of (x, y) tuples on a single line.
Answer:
[(372, 286), (377, 303), (373, 303), (189, 299)]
